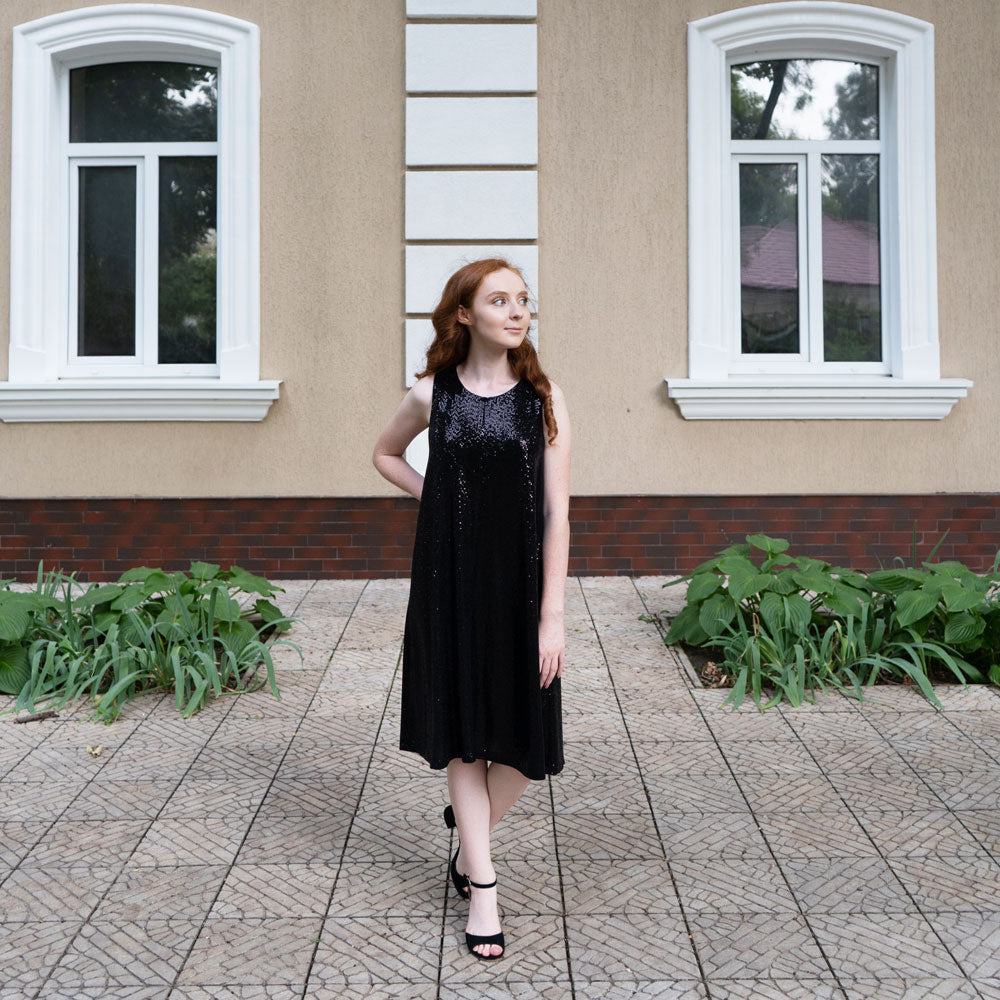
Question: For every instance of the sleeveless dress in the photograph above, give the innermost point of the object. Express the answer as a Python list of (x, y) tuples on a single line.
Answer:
[(470, 684)]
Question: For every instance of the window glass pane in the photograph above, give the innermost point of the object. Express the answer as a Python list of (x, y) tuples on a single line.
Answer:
[(106, 262), (143, 102), (852, 313), (804, 99), (187, 260), (769, 258)]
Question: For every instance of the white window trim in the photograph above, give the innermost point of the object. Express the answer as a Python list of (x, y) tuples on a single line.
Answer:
[(914, 389), (43, 49)]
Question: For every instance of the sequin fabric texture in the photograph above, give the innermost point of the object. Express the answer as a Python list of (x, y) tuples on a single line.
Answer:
[(470, 685)]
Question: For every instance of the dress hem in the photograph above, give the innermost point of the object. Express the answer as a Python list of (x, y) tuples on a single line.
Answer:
[(471, 760)]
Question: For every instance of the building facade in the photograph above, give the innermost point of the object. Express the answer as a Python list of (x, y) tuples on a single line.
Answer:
[(761, 238)]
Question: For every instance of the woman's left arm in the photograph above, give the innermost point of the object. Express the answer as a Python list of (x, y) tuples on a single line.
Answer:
[(555, 546)]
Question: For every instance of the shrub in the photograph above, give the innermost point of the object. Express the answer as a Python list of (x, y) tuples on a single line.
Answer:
[(201, 632), (794, 625)]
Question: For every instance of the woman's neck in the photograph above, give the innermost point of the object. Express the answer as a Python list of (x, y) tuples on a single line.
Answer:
[(487, 370)]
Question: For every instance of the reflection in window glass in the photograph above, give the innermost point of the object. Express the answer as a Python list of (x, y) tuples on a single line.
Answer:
[(106, 262), (804, 99), (143, 102), (769, 258), (187, 260), (852, 313)]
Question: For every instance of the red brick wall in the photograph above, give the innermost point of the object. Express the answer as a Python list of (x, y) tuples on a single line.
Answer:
[(366, 537)]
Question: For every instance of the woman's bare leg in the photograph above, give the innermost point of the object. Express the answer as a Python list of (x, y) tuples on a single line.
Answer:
[(470, 798), (506, 785)]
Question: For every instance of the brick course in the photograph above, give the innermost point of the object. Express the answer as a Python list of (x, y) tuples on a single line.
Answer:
[(367, 537)]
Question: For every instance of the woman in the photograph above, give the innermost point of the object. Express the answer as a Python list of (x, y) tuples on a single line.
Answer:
[(484, 640)]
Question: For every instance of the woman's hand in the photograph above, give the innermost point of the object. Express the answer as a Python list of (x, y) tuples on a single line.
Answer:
[(551, 648)]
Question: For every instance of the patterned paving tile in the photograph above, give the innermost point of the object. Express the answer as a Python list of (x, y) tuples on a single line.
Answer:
[(584, 727), (775, 989), (756, 945), (900, 791), (524, 837), (722, 885), (368, 951), (979, 723), (988, 988), (597, 759), (237, 991), (920, 833), (951, 883), (120, 800), (967, 697), (788, 793), (863, 945), (772, 756), (974, 940), (984, 825), (198, 798), (598, 835), (135, 762), (535, 952), (910, 989), (965, 790), (846, 885), (956, 753), (621, 886), (670, 989), (745, 726), (94, 842), (54, 894), (17, 840), (815, 835), (302, 840), (826, 725), (621, 793), (707, 793), (873, 755), (106, 954), (322, 733), (900, 697), (63, 763), (389, 991), (917, 725), (667, 726), (714, 835), (29, 950), (191, 840), (383, 834), (399, 889), (142, 894), (252, 951), (107, 992), (264, 891), (313, 797), (350, 759)]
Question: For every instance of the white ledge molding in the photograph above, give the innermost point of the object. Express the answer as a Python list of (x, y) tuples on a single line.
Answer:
[(819, 398), (136, 399)]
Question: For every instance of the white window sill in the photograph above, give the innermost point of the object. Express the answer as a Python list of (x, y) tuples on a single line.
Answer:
[(816, 398), (135, 399)]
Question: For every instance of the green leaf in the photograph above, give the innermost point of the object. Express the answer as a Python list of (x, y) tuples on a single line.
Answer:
[(844, 601), (913, 605), (14, 620), (15, 669), (799, 612), (893, 581), (251, 584), (958, 598), (815, 580), (682, 628), (702, 586), (235, 636), (784, 582), (130, 597), (272, 613), (744, 585), (963, 627), (141, 573), (772, 610), (771, 546), (204, 571), (738, 565), (716, 613), (97, 595)]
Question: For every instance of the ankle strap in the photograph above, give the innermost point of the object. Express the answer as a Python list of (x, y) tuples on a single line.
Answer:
[(482, 885)]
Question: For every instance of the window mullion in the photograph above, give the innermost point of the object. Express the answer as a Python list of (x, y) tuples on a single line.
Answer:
[(813, 285), (149, 329)]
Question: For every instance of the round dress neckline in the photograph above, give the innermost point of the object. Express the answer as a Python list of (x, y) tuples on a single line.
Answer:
[(478, 395)]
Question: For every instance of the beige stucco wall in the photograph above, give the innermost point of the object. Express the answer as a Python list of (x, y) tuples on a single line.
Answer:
[(612, 171)]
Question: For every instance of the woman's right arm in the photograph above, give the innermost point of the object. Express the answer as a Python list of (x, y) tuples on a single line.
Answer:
[(407, 422)]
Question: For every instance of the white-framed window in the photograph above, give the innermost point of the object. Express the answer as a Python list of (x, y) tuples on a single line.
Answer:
[(135, 215), (811, 216)]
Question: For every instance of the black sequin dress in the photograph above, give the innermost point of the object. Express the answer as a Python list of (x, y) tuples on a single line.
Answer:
[(470, 647)]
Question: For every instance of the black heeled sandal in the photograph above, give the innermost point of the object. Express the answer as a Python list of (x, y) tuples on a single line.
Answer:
[(473, 940), (460, 881)]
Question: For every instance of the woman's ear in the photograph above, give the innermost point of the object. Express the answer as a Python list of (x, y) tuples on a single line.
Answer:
[(462, 315)]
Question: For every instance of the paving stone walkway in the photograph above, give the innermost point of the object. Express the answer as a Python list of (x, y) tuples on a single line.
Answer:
[(288, 850)]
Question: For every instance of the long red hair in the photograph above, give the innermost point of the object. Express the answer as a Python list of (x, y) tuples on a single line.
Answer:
[(451, 338)]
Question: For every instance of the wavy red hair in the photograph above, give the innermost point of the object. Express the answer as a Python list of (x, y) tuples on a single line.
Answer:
[(451, 338)]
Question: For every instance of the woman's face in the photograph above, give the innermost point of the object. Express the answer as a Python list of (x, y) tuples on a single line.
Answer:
[(500, 312)]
